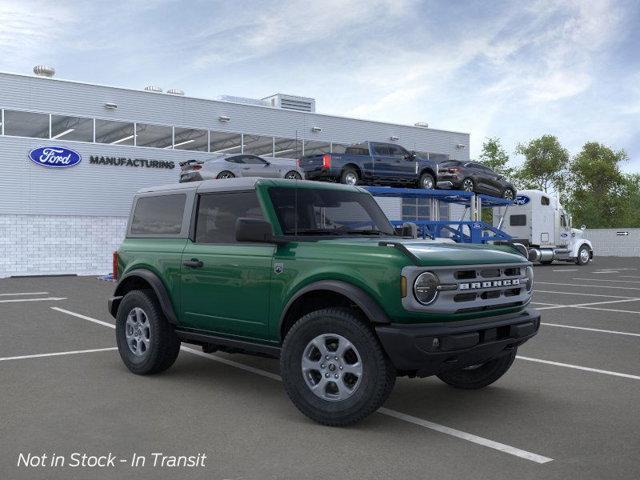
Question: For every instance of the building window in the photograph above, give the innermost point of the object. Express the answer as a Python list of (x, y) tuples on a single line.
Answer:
[(287, 147), (114, 133), (26, 124), (312, 147), (159, 215), (258, 145), (72, 128), (419, 209), (158, 136), (191, 139), (225, 142)]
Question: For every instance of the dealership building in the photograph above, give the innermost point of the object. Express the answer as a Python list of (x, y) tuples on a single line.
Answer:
[(69, 220)]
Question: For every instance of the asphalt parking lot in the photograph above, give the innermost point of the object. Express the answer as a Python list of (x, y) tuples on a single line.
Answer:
[(568, 408)]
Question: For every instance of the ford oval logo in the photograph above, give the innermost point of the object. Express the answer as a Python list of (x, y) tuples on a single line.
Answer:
[(521, 200), (55, 157)]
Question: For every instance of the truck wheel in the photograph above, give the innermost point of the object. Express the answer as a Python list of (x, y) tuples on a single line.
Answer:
[(349, 176), (583, 255), (468, 185), (508, 194), (546, 262), (334, 368), (479, 376), (427, 181), (146, 342)]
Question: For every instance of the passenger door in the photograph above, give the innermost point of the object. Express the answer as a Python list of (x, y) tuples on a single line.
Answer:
[(382, 161), (403, 165), (225, 284), (257, 167)]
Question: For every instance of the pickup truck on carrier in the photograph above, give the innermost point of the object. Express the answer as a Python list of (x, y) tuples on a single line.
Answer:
[(372, 163)]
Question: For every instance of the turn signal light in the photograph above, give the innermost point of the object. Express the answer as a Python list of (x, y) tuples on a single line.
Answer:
[(326, 161), (115, 265), (403, 286)]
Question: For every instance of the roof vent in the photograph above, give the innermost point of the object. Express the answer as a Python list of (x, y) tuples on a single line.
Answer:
[(44, 71), (422, 124), (153, 88), (292, 102), (175, 91)]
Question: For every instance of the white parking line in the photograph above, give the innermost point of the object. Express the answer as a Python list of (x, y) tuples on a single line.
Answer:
[(591, 286), (579, 367), (605, 280), (22, 293), (590, 329), (588, 305), (609, 310), (84, 317), (466, 436), (541, 303), (384, 411), (585, 294), (47, 299), (57, 354), (565, 270)]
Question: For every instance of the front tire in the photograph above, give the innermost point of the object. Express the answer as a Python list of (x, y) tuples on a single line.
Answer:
[(427, 181), (334, 369), (479, 376), (147, 343), (584, 255)]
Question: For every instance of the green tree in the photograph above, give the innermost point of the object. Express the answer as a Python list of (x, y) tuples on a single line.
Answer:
[(545, 164), (599, 191), (495, 157)]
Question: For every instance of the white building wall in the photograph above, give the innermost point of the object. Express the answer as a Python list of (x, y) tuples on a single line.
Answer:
[(57, 244), (612, 242)]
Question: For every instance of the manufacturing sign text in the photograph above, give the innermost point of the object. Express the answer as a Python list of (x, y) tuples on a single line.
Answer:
[(130, 162), (55, 157)]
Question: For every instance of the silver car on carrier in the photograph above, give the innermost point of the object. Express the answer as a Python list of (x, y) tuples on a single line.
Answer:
[(239, 165)]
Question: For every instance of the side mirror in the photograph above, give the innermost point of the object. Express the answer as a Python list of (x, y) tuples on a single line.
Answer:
[(408, 229), (253, 230), (583, 227)]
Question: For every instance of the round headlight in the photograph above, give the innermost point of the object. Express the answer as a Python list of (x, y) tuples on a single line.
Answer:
[(529, 274), (425, 288)]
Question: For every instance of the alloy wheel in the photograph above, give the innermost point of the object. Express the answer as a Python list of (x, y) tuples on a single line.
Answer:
[(467, 185), (138, 331), (332, 367)]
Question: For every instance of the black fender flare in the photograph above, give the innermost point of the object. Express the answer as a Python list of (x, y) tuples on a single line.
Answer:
[(362, 299), (156, 284)]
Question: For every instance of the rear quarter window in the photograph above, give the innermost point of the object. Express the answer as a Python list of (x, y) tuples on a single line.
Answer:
[(158, 215)]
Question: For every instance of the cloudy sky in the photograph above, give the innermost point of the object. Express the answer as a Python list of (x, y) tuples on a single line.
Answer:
[(515, 70)]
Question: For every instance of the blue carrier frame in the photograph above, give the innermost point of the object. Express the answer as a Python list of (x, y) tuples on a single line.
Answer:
[(460, 231)]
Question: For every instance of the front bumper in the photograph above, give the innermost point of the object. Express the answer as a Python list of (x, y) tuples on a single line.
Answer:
[(428, 349)]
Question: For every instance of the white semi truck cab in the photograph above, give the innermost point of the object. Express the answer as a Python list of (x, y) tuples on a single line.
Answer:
[(538, 221)]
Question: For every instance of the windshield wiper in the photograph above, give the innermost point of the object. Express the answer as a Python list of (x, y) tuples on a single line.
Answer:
[(367, 232), (319, 231)]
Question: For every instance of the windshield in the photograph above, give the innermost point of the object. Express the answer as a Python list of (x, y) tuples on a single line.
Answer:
[(315, 211)]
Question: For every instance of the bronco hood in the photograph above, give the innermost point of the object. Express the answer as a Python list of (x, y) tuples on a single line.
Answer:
[(429, 253)]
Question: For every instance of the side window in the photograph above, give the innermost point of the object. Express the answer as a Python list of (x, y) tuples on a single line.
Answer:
[(563, 221), (158, 215), (253, 160), (218, 212), (381, 149), (517, 220), (544, 200), (238, 159), (396, 151)]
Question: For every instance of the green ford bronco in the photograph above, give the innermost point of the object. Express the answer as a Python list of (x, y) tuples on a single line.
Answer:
[(315, 275)]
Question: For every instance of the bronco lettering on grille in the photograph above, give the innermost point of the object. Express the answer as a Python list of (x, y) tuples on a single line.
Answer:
[(491, 284)]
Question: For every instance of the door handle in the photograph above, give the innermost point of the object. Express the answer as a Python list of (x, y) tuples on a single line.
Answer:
[(246, 168), (193, 263)]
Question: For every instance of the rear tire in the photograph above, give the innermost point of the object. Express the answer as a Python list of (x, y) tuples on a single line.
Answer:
[(349, 176), (147, 343), (225, 174), (293, 175), (319, 354), (468, 185), (476, 377)]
